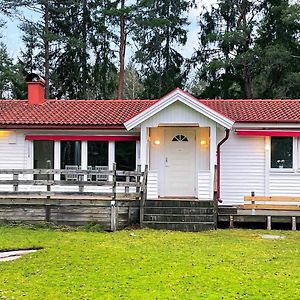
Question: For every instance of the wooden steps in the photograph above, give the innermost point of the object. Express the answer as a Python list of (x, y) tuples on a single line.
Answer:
[(181, 215)]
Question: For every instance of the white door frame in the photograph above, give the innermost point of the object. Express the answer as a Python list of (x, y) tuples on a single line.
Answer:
[(178, 130)]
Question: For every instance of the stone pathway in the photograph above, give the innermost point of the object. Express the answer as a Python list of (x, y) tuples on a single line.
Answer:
[(272, 237), (13, 255)]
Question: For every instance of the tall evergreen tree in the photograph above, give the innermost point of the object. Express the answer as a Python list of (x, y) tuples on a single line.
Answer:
[(84, 58), (70, 23), (225, 58), (161, 31), (123, 15), (11, 78), (278, 51), (103, 71)]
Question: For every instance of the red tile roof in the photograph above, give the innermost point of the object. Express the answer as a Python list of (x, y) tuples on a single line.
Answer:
[(257, 111), (113, 113), (66, 113)]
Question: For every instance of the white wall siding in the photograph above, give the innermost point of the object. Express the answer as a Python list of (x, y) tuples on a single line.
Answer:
[(284, 184), (13, 150), (152, 186), (178, 113), (242, 168), (204, 188)]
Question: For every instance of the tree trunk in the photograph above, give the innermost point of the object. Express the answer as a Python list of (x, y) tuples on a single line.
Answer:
[(247, 82), (47, 50), (84, 50), (122, 48)]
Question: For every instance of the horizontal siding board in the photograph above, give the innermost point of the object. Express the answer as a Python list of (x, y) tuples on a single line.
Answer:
[(204, 181), (152, 185), (242, 168), (284, 184)]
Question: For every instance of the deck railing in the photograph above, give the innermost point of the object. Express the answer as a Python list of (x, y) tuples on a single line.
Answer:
[(133, 183)]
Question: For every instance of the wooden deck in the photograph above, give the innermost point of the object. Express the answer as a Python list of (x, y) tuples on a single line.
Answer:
[(236, 217), (114, 201)]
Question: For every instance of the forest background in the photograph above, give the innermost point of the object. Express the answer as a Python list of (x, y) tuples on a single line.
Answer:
[(100, 49)]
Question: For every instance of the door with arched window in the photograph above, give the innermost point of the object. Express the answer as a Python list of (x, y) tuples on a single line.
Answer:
[(179, 162)]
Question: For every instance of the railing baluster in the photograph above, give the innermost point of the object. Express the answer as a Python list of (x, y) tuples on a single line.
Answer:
[(16, 182)]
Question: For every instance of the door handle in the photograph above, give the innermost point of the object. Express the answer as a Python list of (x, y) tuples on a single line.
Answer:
[(166, 161)]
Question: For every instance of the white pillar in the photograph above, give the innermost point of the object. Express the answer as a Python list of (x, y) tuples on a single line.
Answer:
[(144, 147), (213, 157), (84, 156), (111, 154), (56, 164)]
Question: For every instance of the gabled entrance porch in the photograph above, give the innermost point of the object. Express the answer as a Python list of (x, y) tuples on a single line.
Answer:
[(179, 143)]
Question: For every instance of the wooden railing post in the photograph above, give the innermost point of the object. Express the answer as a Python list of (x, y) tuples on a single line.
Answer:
[(143, 195), (47, 206), (16, 184), (113, 207), (114, 184), (138, 179), (81, 184), (127, 186)]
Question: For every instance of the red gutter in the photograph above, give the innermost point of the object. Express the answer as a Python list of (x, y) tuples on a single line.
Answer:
[(219, 165), (82, 138), (280, 133)]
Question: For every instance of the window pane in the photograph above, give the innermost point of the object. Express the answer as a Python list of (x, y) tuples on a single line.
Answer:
[(97, 154), (43, 157), (281, 152), (125, 156), (70, 154)]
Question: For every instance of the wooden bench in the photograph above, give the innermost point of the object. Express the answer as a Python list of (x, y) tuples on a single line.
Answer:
[(283, 203)]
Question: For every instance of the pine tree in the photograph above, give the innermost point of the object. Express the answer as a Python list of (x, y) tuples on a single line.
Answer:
[(103, 72), (11, 79), (225, 58), (161, 31), (278, 50)]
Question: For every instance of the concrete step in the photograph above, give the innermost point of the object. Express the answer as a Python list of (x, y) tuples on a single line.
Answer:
[(178, 218), (178, 210), (181, 226), (178, 203)]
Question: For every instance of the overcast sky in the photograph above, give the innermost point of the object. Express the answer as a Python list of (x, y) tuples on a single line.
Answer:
[(12, 36)]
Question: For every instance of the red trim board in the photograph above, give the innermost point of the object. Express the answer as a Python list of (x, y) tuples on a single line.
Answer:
[(118, 138), (279, 133)]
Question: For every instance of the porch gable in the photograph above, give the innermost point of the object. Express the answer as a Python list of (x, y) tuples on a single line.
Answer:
[(185, 98)]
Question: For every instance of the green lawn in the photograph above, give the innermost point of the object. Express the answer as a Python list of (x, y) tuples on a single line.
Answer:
[(148, 264)]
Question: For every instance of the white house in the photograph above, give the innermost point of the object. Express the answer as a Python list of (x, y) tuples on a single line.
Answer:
[(253, 143)]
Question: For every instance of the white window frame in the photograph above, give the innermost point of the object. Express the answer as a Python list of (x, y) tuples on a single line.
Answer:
[(282, 170)]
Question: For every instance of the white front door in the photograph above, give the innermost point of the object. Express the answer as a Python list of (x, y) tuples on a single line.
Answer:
[(179, 164)]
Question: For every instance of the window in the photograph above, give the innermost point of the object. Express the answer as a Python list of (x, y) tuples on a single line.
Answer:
[(97, 154), (125, 156), (282, 152), (70, 154), (180, 138), (97, 159), (43, 157)]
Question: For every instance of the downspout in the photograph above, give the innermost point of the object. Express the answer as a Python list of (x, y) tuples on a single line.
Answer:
[(219, 165)]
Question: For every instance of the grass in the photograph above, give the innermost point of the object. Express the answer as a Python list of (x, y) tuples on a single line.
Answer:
[(148, 264)]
